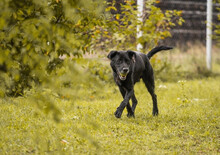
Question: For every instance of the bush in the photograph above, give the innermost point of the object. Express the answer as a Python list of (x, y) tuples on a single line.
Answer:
[(36, 33), (120, 29)]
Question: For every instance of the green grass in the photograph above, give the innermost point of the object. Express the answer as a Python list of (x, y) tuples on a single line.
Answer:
[(188, 122)]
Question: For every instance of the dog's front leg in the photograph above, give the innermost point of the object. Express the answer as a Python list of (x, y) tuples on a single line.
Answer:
[(123, 104)]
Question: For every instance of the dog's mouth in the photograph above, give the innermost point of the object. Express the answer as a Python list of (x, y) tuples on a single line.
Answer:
[(122, 76)]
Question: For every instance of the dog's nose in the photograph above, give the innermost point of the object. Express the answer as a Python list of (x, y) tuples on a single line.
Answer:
[(125, 70)]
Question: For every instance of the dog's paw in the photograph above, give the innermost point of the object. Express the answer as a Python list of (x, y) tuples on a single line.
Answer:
[(130, 114), (155, 112), (118, 113)]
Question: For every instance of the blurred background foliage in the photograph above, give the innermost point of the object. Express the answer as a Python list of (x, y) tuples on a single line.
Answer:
[(38, 36)]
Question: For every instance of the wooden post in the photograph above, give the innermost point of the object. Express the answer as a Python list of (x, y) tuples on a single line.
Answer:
[(140, 8), (209, 35)]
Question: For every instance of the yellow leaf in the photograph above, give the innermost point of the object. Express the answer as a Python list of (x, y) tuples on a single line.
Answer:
[(97, 31), (117, 17)]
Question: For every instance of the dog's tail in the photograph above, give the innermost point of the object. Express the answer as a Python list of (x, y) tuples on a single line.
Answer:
[(157, 49)]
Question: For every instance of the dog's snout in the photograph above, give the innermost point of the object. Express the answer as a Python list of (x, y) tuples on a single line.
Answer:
[(125, 70)]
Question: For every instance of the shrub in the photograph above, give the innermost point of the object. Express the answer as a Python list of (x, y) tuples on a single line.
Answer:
[(120, 29), (36, 33)]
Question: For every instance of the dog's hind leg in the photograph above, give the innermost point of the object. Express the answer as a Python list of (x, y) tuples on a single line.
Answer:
[(148, 78), (128, 107)]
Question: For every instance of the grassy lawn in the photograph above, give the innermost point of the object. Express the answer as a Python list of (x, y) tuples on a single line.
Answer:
[(188, 122)]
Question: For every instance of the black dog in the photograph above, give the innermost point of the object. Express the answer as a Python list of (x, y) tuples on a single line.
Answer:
[(128, 68)]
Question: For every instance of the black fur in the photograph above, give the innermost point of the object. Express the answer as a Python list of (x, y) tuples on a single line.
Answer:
[(128, 68)]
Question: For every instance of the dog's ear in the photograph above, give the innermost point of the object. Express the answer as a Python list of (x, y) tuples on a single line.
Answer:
[(112, 54), (132, 55)]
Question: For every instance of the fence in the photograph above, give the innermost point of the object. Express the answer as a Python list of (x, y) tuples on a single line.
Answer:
[(194, 14)]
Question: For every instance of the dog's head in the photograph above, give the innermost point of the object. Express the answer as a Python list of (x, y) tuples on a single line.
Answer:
[(121, 62)]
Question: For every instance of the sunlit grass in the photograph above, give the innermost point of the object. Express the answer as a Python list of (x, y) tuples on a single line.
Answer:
[(188, 122)]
